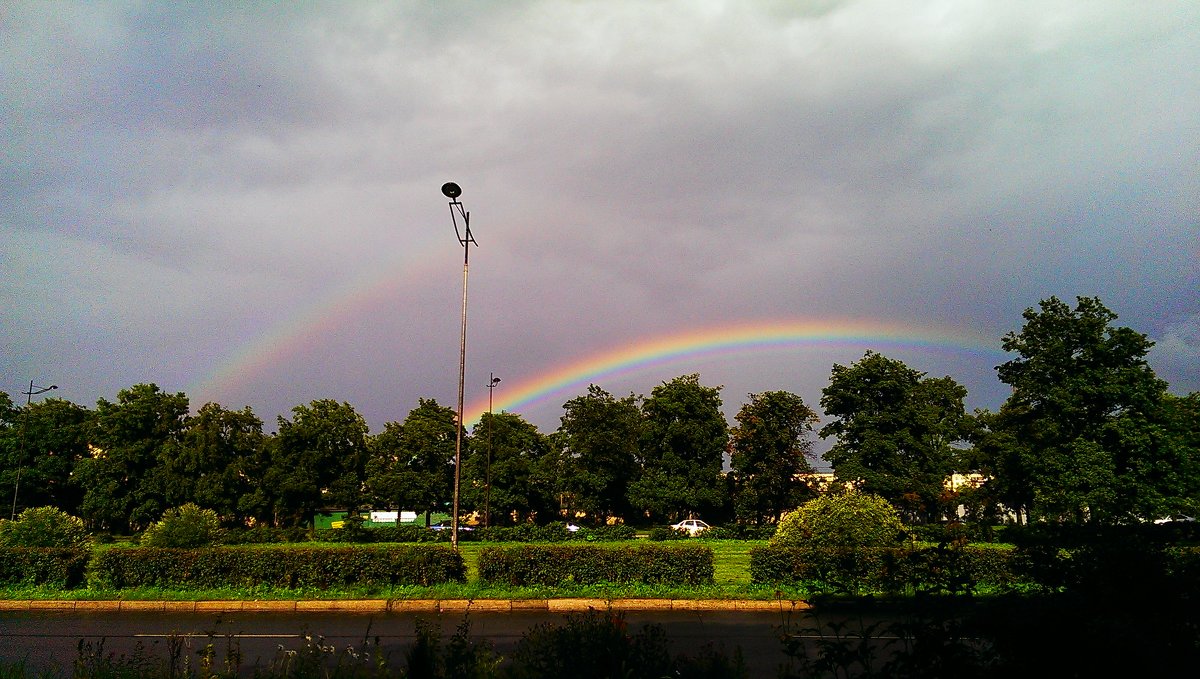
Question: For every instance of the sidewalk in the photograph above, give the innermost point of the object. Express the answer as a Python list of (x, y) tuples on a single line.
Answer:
[(405, 605)]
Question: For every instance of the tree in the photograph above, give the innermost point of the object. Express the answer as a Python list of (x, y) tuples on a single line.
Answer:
[(46, 440), (683, 440), (1003, 458), (769, 450), (121, 477), (214, 463), (1089, 407), (412, 464), (319, 458), (896, 430), (598, 438), (504, 453)]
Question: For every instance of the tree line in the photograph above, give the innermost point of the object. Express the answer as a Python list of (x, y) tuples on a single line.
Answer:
[(1089, 434)]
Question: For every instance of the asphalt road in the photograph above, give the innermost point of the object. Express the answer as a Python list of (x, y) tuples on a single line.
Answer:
[(54, 639)]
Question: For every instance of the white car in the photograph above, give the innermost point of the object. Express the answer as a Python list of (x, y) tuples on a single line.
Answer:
[(693, 526)]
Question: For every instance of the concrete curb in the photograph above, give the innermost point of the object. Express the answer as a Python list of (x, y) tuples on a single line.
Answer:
[(404, 605)]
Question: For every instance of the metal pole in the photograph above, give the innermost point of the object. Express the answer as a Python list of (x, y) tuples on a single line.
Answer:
[(487, 485), (462, 377), (21, 446), (452, 191)]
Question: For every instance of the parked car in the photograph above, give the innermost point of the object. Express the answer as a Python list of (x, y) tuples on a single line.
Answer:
[(693, 526), (447, 525)]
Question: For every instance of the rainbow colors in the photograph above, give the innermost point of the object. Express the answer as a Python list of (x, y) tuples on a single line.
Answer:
[(716, 341)]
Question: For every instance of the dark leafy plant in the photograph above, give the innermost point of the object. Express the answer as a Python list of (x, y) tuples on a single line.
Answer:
[(185, 527), (44, 527)]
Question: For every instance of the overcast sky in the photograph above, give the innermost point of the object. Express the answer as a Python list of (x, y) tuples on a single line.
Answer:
[(241, 200)]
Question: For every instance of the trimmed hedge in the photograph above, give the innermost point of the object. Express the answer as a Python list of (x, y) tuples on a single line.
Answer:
[(739, 531), (289, 568), (859, 570), (62, 567), (525, 532), (586, 564)]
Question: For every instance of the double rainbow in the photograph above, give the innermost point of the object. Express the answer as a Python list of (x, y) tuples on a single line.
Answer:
[(572, 377)]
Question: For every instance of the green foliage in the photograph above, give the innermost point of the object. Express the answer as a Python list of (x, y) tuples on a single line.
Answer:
[(298, 567), (123, 478), (739, 531), (411, 464), (44, 527), (503, 471), (866, 570), (218, 463), (598, 439), (895, 429), (851, 519), (46, 440), (663, 533), (769, 450), (684, 438), (185, 527), (61, 567), (586, 564), (1087, 415), (318, 459)]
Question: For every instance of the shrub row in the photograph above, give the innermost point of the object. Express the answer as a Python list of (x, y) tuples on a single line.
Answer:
[(739, 531), (858, 570), (1110, 569), (62, 567), (526, 532), (290, 568), (587, 564)]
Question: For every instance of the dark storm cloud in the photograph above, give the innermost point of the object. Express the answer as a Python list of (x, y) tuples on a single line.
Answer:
[(183, 179)]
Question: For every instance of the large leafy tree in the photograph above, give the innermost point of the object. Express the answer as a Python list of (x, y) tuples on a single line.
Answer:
[(122, 478), (769, 449), (598, 439), (1089, 409), (43, 445), (684, 438), (318, 460), (896, 431), (412, 463), (214, 462), (500, 472)]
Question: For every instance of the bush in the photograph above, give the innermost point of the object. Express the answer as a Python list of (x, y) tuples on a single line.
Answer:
[(863, 570), (663, 533), (256, 535), (586, 564), (187, 527), (850, 519), (44, 527), (288, 568), (739, 531), (62, 567)]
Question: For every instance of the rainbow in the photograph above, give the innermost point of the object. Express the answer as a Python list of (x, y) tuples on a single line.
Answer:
[(255, 357), (724, 340)]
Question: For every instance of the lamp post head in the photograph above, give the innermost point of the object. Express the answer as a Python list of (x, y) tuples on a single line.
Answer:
[(451, 190), (495, 380)]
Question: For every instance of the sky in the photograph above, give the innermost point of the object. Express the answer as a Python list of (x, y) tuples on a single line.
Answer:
[(241, 201)]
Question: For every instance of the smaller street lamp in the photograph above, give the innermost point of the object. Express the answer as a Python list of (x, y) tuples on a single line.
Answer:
[(487, 483), (29, 394)]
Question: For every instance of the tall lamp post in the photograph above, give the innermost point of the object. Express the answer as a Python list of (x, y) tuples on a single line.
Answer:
[(29, 394), (487, 486), (465, 239)]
